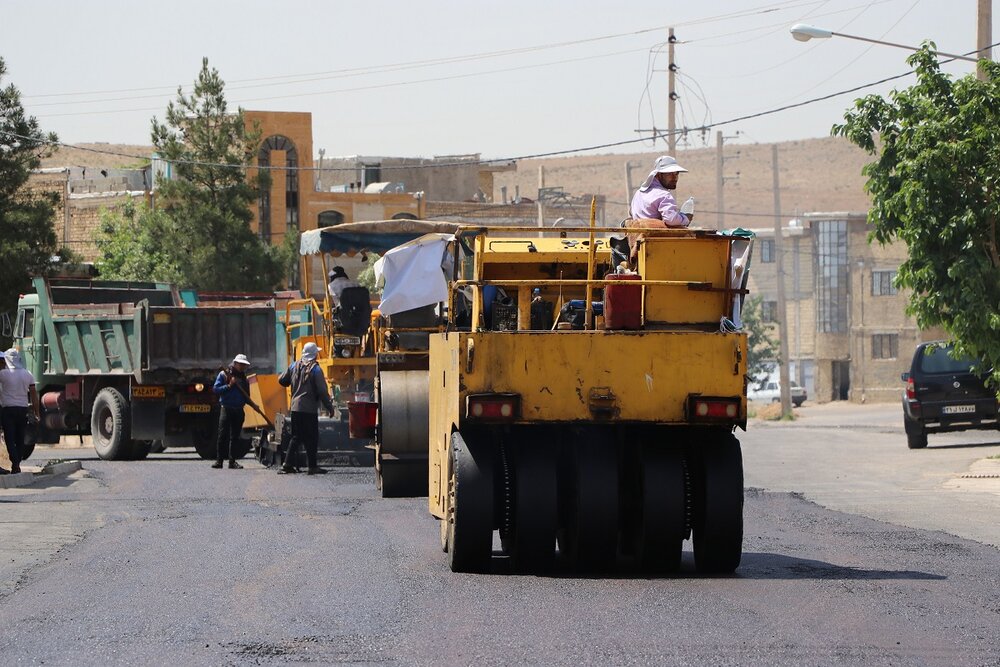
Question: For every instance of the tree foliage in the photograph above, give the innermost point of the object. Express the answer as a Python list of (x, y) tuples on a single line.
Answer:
[(130, 240), (935, 185), (28, 239), (208, 204), (763, 351)]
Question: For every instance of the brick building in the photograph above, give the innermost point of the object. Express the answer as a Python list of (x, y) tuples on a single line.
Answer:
[(849, 337)]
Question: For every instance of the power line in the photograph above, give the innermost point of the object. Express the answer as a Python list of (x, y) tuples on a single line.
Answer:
[(357, 71), (568, 151)]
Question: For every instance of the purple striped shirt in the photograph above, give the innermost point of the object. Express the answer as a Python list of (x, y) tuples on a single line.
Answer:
[(657, 203)]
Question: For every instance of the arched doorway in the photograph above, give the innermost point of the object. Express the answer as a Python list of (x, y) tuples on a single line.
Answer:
[(278, 142), (330, 218)]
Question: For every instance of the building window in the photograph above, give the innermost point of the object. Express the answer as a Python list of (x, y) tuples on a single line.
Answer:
[(831, 276), (373, 174), (767, 251), (330, 218), (885, 346), (279, 143), (768, 311), (882, 283)]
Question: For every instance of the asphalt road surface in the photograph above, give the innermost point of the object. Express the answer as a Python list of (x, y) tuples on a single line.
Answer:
[(167, 561)]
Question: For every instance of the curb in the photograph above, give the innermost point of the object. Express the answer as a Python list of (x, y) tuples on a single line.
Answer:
[(26, 478)]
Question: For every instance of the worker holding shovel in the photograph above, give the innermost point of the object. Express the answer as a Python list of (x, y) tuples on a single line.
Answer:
[(233, 390)]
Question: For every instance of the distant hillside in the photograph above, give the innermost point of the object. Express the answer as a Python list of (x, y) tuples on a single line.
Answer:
[(815, 175), (79, 156)]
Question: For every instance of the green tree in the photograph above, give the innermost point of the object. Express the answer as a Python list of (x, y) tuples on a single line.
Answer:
[(935, 185), (130, 240), (763, 351), (28, 239), (209, 202)]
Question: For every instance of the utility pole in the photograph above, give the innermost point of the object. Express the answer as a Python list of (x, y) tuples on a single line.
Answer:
[(672, 97), (538, 199), (319, 174), (786, 399), (984, 35), (628, 183), (721, 178)]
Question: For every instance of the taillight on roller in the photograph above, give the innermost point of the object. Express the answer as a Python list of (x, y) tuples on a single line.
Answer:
[(493, 407), (713, 408)]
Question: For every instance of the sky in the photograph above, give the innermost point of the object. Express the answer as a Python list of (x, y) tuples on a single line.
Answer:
[(503, 79)]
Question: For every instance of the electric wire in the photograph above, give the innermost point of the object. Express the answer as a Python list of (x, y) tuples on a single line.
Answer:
[(581, 149)]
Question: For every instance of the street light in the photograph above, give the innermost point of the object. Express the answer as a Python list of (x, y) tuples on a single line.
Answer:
[(804, 32)]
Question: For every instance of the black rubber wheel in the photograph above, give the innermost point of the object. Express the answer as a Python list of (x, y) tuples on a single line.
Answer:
[(157, 447), (110, 427), (532, 543), (243, 448), (206, 447), (470, 506), (140, 449), (916, 434), (588, 539), (718, 504), (30, 438), (663, 506)]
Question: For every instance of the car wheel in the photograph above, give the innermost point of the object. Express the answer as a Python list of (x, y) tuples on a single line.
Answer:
[(798, 404), (916, 434)]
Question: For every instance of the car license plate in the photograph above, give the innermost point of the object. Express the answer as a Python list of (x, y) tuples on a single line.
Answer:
[(958, 409), (347, 340), (196, 407)]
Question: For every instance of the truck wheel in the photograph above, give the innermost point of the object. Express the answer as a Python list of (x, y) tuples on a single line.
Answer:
[(109, 425), (243, 448), (157, 447), (470, 507)]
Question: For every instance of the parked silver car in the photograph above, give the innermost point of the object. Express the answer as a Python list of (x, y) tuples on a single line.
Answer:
[(770, 390)]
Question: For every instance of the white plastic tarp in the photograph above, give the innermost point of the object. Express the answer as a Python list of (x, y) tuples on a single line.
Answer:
[(415, 274)]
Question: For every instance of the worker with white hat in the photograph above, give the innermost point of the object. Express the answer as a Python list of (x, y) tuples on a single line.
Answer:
[(655, 200), (233, 389), (309, 391)]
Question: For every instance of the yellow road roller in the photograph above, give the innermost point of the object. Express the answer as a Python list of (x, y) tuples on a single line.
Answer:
[(587, 410)]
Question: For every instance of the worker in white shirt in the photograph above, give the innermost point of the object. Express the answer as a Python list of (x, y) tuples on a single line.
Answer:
[(338, 283)]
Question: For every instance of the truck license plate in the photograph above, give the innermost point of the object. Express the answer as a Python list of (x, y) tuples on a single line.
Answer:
[(196, 407), (149, 392), (958, 409)]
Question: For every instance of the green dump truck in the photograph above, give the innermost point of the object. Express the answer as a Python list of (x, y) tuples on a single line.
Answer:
[(129, 364)]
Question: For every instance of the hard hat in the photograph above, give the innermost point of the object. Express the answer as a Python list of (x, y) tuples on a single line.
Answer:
[(664, 164), (241, 359)]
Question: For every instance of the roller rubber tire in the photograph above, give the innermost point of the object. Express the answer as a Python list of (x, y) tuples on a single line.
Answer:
[(589, 538), (661, 528), (532, 545), (109, 425), (470, 507), (718, 516)]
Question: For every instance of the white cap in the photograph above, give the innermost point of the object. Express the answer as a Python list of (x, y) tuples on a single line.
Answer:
[(309, 351), (664, 164), (241, 359)]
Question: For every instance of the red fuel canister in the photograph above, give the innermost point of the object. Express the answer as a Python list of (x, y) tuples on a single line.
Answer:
[(622, 303)]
